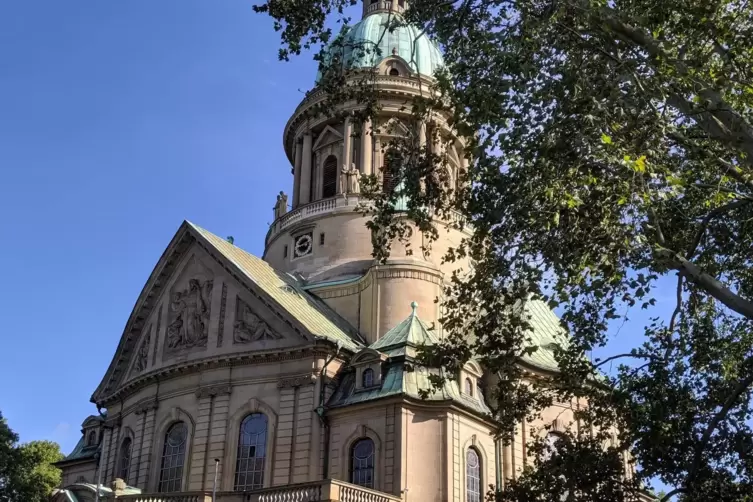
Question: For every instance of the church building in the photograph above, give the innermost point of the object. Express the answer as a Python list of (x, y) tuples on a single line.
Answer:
[(294, 376)]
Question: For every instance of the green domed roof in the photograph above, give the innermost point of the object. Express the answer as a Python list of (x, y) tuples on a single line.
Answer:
[(370, 41)]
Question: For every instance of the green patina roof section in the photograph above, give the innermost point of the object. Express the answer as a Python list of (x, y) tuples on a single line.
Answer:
[(82, 452), (402, 376), (410, 332), (313, 313), (546, 332), (370, 41)]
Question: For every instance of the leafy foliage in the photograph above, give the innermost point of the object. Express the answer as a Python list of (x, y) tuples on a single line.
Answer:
[(26, 470), (610, 146)]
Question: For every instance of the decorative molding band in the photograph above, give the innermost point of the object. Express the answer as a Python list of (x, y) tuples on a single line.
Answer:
[(214, 390), (218, 361), (299, 381), (382, 272)]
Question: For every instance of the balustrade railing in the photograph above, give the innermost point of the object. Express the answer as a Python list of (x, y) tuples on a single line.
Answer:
[(168, 497), (328, 490)]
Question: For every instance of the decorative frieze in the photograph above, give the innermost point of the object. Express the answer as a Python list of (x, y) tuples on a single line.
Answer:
[(214, 390), (145, 406), (297, 381)]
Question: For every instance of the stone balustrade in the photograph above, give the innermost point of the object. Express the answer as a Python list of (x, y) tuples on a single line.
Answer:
[(305, 211), (329, 490)]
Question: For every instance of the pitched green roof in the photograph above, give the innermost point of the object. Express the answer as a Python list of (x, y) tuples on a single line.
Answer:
[(284, 289), (82, 452), (409, 334), (545, 334), (402, 375)]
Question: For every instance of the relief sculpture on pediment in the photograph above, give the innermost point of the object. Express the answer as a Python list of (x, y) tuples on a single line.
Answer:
[(248, 327), (188, 325), (142, 356)]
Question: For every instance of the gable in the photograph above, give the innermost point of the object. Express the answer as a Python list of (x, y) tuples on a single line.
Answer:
[(199, 304), (327, 136)]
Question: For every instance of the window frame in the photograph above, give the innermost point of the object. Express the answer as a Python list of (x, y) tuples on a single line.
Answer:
[(477, 495), (239, 459), (353, 471), (124, 471), (179, 470)]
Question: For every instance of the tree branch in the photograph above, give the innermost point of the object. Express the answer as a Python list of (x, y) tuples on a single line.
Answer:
[(710, 216), (709, 284)]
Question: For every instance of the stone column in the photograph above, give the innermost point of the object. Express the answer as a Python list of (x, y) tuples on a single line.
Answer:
[(422, 134), (297, 172), (305, 184), (347, 150), (366, 147)]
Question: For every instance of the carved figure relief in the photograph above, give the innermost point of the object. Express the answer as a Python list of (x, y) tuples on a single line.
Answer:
[(142, 357), (353, 179), (281, 205), (248, 327), (189, 311)]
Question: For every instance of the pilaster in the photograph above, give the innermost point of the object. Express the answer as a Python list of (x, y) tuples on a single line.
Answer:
[(149, 411), (209, 436), (305, 184), (297, 172), (284, 442), (366, 147)]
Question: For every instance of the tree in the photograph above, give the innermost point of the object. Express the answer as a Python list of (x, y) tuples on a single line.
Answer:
[(611, 148), (26, 470)]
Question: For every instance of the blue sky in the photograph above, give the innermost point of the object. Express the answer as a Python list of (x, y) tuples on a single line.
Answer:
[(118, 120)]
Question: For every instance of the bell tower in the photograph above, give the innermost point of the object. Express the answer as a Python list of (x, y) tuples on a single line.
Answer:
[(319, 236)]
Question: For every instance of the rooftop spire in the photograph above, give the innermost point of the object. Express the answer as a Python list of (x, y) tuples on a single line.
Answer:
[(372, 6)]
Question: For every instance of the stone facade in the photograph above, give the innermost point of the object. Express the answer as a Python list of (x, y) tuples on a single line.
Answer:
[(218, 336)]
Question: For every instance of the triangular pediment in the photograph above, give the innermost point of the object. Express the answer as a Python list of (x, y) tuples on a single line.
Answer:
[(208, 299), (327, 136)]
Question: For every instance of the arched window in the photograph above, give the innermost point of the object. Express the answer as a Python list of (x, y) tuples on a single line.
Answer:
[(124, 461), (391, 170), (394, 72), (252, 451), (367, 377), (92, 439), (472, 476), (469, 386), (173, 458), (329, 177), (362, 463)]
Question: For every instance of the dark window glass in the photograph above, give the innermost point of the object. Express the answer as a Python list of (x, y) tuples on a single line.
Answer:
[(173, 458), (468, 386), (367, 377), (391, 170), (394, 72), (125, 459), (362, 463), (329, 173), (252, 452)]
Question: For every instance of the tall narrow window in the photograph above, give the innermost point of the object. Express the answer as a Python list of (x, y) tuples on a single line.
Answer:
[(391, 170), (329, 177), (362, 463), (252, 451), (472, 476), (173, 458), (124, 461), (92, 439), (468, 386), (367, 377)]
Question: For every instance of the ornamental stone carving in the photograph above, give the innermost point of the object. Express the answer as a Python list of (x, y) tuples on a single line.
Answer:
[(142, 357), (188, 325), (248, 327), (214, 390), (298, 381)]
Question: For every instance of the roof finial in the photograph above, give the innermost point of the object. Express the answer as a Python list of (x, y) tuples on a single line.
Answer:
[(414, 306)]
